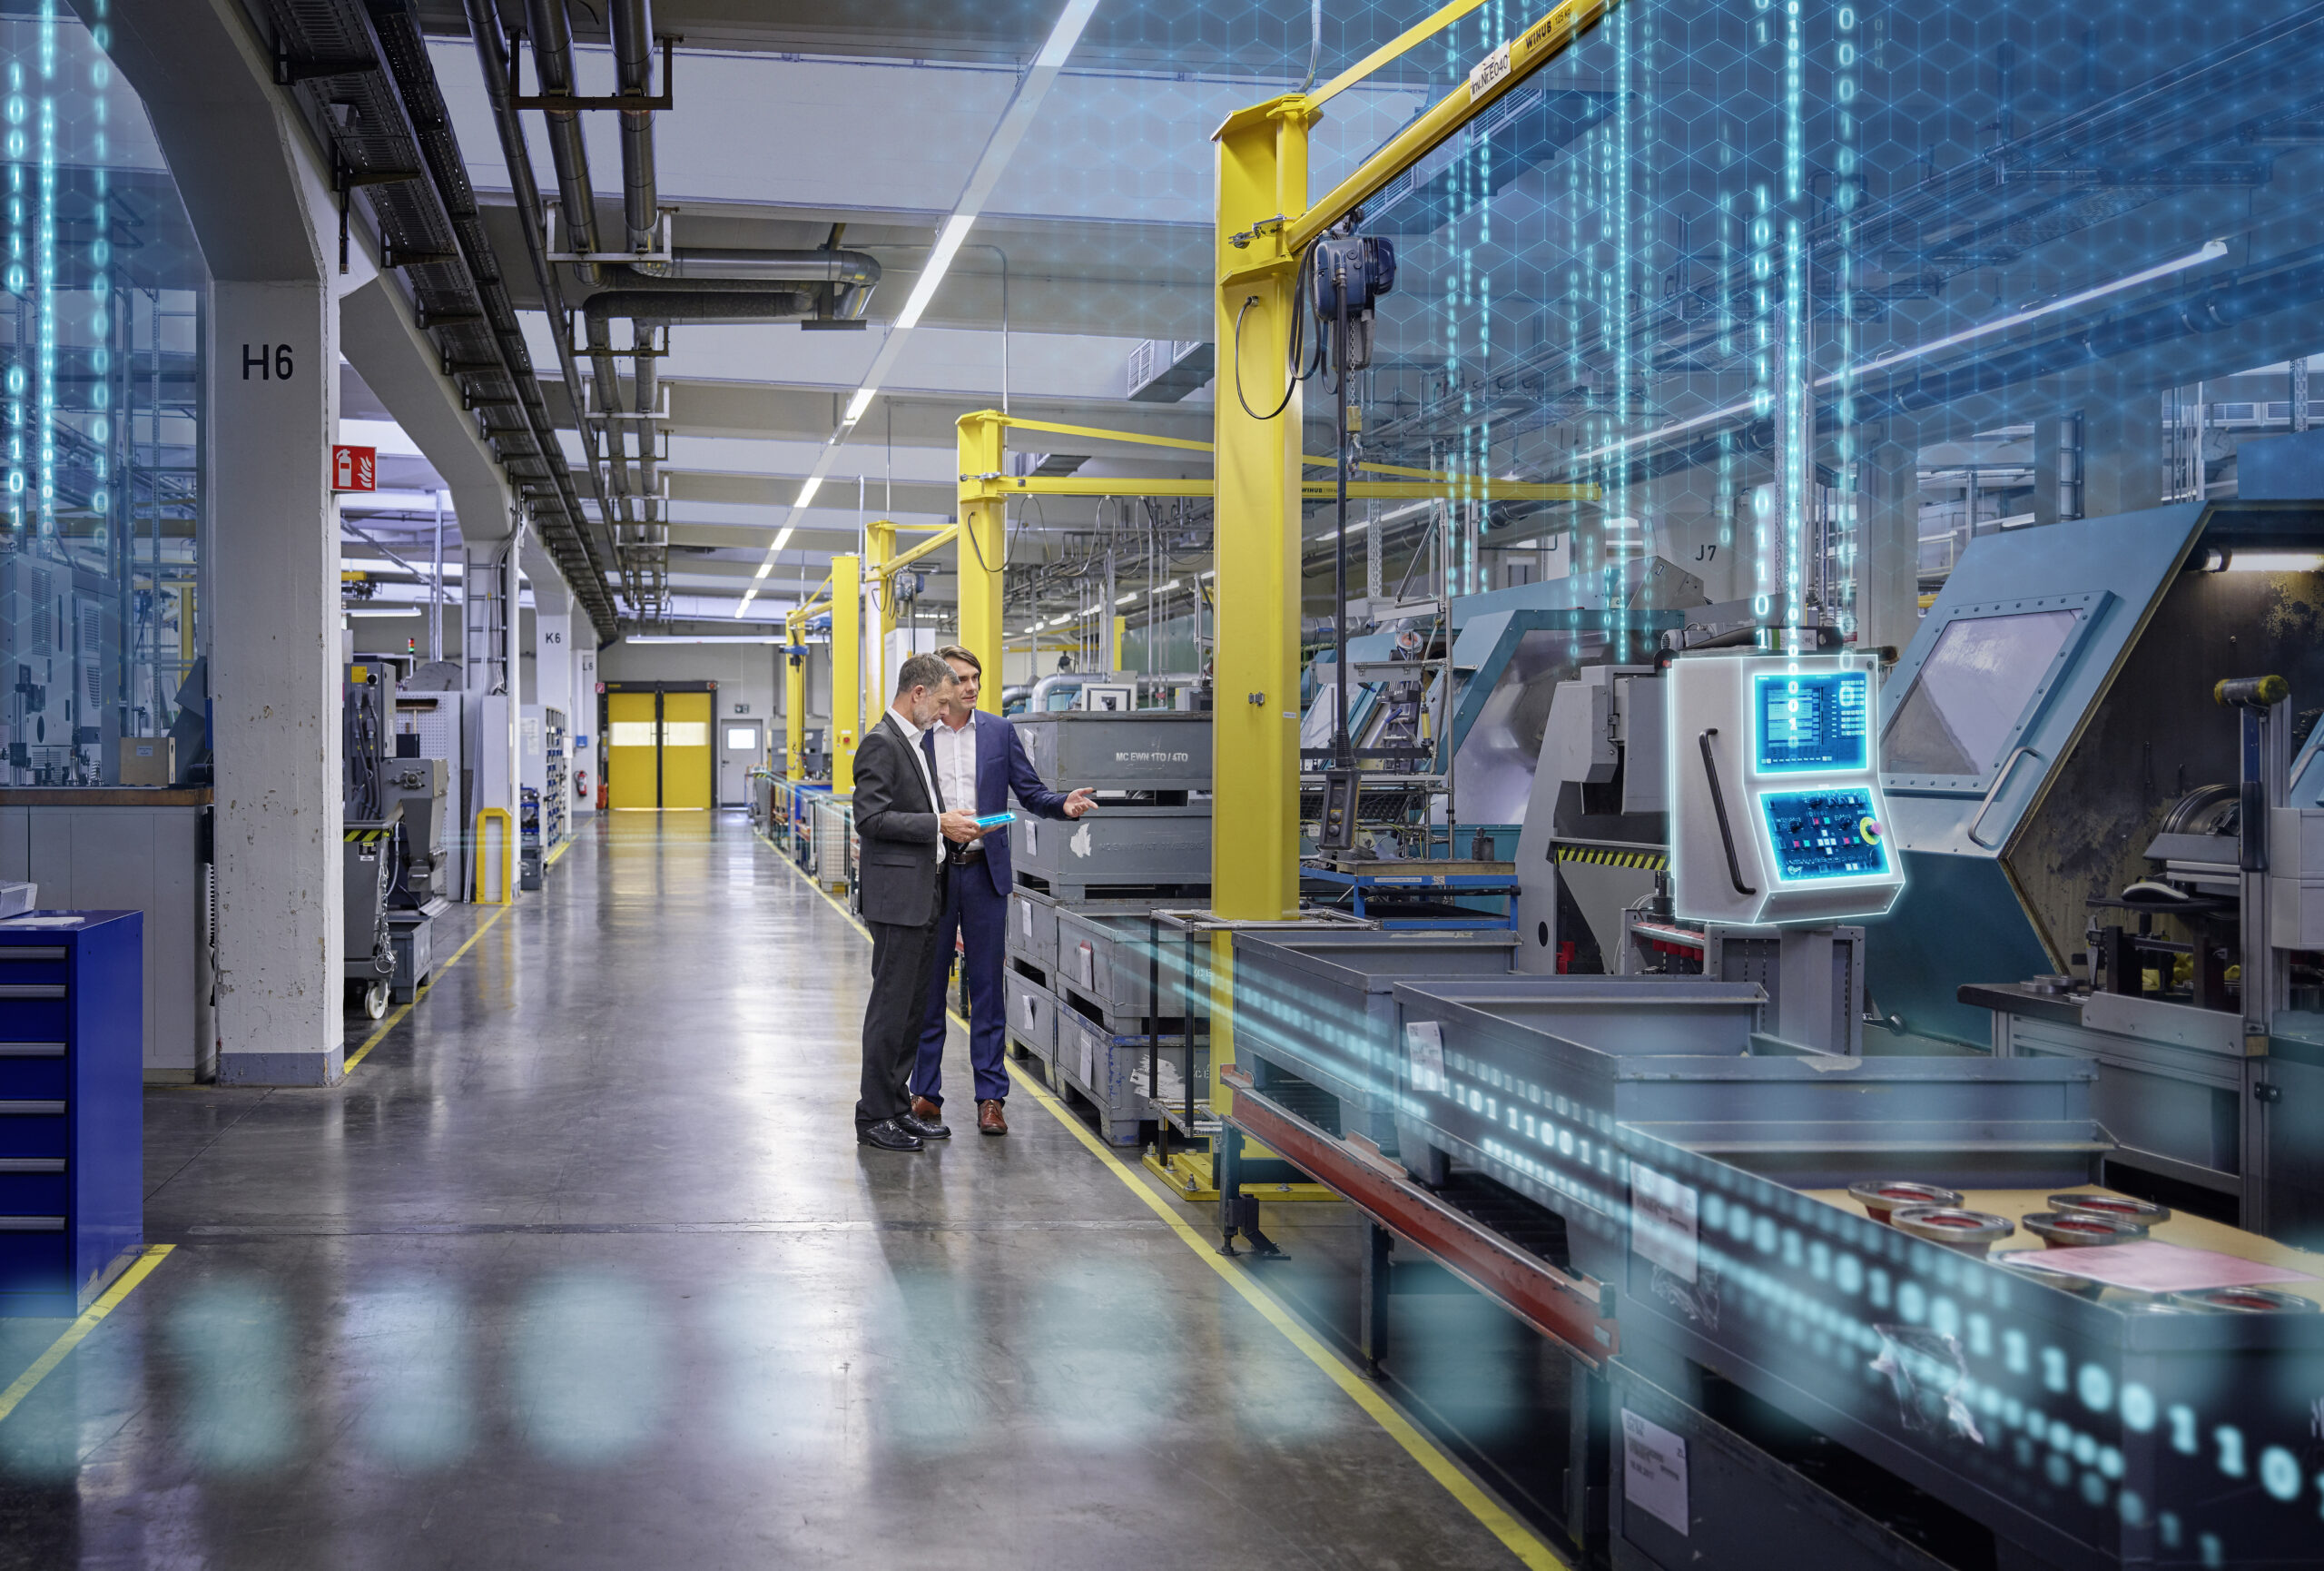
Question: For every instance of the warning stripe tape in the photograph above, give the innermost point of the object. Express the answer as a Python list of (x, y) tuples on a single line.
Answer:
[(1653, 860)]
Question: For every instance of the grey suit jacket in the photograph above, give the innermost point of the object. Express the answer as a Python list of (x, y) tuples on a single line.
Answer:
[(896, 875)]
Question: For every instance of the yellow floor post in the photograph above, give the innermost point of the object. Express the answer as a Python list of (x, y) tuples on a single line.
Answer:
[(499, 817), (1121, 629), (847, 682), (983, 538)]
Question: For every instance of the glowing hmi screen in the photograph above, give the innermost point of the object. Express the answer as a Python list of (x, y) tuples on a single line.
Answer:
[(1812, 722)]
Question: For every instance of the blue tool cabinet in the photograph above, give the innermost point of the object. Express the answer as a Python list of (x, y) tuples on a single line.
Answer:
[(72, 1114)]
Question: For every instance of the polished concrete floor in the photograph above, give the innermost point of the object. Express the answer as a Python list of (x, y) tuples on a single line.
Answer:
[(582, 1268)]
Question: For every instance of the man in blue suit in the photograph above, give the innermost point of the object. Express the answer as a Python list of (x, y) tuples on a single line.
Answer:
[(980, 757)]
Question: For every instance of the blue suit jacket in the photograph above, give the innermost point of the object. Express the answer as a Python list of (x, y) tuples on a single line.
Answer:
[(1001, 767)]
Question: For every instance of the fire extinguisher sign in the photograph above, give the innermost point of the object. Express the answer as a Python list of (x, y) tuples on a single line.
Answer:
[(354, 468)]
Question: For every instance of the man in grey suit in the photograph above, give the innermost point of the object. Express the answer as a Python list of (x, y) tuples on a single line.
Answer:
[(900, 818)]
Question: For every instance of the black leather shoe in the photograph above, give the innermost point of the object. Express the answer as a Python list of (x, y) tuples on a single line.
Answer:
[(925, 1120), (889, 1134)]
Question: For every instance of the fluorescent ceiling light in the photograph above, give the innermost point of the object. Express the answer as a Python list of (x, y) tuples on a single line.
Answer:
[(1126, 599), (2242, 561), (782, 538), (382, 610), (744, 603), (948, 245), (807, 492), (1063, 36), (859, 403), (703, 639), (1163, 589), (767, 568)]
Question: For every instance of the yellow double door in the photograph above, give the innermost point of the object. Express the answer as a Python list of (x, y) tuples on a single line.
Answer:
[(657, 749)]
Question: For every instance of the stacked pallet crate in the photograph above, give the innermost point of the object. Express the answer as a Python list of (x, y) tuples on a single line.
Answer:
[(1091, 995)]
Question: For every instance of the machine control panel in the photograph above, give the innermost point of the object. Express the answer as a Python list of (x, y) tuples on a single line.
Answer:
[(1776, 812), (1824, 835)]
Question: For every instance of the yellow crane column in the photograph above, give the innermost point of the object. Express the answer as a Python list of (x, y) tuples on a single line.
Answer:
[(878, 551), (1255, 843), (983, 538), (794, 699), (847, 682)]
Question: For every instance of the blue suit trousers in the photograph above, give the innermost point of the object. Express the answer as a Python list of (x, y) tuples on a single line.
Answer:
[(980, 915)]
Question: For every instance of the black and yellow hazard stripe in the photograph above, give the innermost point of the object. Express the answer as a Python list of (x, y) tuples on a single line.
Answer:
[(1651, 861), (366, 836)]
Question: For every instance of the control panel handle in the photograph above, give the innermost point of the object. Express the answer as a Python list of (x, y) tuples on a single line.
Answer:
[(1994, 794), (1718, 809)]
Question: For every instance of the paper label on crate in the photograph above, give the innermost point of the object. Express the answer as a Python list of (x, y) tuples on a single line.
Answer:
[(1654, 1472), (1088, 1076), (1025, 916), (1662, 1222), (1487, 73), (1424, 1044), (1089, 966), (1032, 837)]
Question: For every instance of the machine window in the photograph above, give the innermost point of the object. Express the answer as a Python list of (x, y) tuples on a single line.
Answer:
[(1970, 692), (741, 738)]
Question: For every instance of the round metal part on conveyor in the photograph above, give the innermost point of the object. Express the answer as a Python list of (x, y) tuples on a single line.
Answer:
[(2026, 1265), (2245, 1301), (2050, 982), (1971, 1233), (1884, 1196), (2116, 1208), (2080, 1230)]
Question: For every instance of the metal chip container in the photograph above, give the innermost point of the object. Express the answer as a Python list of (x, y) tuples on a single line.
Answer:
[(1108, 1067), (1320, 1004), (1032, 1014), (1134, 750)]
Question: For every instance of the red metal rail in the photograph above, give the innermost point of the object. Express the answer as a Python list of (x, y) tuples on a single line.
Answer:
[(1575, 1310)]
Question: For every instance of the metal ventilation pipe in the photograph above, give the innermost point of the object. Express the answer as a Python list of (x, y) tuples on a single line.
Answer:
[(632, 32), (553, 63)]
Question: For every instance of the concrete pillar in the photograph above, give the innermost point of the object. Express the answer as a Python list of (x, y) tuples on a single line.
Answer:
[(274, 681), (1887, 543), (585, 718)]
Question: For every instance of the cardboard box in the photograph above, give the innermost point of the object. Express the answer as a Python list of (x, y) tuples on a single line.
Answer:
[(148, 760)]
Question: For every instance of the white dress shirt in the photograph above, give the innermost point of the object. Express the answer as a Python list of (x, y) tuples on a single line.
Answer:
[(956, 764), (919, 759)]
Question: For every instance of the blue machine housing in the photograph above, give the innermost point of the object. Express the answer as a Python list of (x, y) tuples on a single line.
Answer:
[(2094, 719)]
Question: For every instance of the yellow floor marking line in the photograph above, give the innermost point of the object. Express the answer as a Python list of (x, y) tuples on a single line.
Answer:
[(1519, 1539), (396, 1019), (563, 847), (75, 1333)]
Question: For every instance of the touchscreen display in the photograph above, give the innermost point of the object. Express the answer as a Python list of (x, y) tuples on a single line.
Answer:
[(1818, 721)]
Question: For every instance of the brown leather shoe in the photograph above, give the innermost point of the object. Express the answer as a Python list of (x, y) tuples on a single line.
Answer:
[(989, 1119), (926, 1110)]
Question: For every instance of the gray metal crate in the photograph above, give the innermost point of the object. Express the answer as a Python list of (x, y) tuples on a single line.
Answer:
[(1110, 959), (1032, 929), (1032, 1014), (1491, 1070), (1138, 750), (1108, 1067), (1320, 1004), (1113, 847)]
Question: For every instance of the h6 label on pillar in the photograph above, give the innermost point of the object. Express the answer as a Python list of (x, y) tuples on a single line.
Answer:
[(354, 468)]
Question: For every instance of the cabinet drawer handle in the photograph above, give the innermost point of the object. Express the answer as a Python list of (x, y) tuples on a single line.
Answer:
[(32, 1050), (32, 1164), (23, 1108), (9, 951), (32, 990), (32, 1224)]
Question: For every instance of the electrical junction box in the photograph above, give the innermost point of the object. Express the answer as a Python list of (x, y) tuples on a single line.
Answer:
[(1777, 814)]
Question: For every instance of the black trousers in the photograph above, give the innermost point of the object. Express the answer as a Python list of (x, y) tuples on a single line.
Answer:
[(902, 958)]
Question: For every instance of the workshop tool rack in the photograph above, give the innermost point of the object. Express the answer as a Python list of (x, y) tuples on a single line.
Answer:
[(71, 1106), (1417, 895)]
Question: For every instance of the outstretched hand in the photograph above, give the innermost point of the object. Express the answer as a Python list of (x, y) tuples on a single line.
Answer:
[(1078, 802), (960, 827)]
